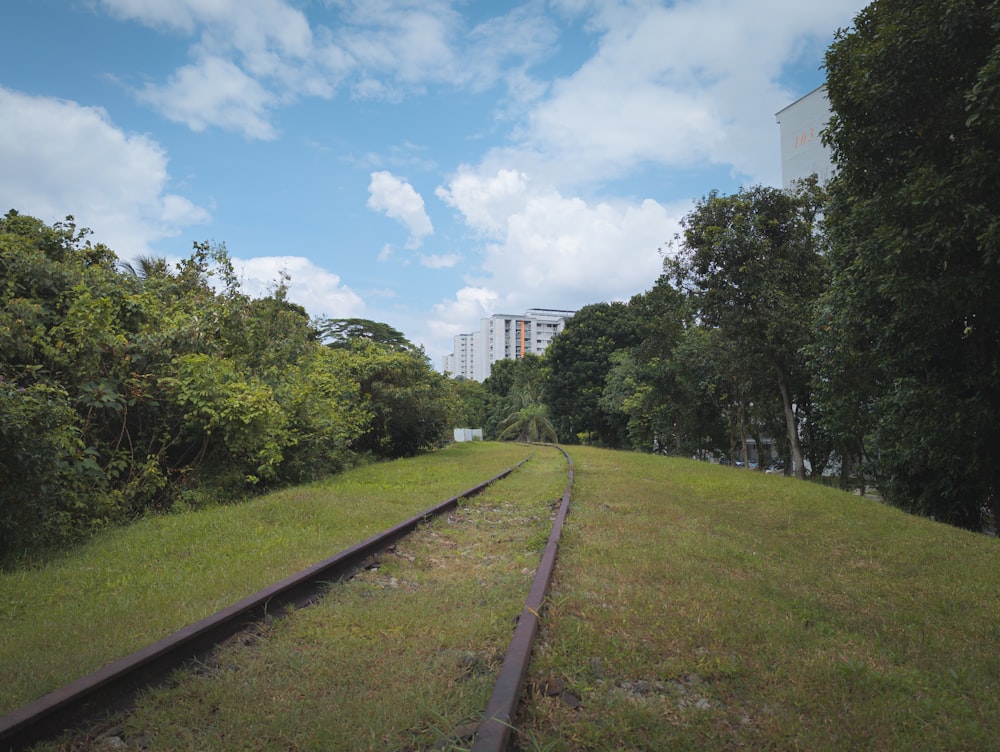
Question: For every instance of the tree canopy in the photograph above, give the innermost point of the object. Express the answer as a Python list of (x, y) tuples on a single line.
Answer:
[(753, 266), (354, 332), (915, 223), (578, 362)]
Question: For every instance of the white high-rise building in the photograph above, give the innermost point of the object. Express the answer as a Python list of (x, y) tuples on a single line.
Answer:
[(503, 337), (462, 362), (801, 126)]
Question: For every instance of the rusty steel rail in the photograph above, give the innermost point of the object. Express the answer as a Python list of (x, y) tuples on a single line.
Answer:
[(114, 686), (494, 730)]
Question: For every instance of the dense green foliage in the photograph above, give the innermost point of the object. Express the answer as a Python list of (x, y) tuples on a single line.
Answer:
[(125, 388), (578, 361), (912, 320), (753, 266), (515, 409)]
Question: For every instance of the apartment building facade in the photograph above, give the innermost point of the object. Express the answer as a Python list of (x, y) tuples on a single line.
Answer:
[(801, 126), (504, 337)]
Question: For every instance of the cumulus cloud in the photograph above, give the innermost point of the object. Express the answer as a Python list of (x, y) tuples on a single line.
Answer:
[(319, 291), (462, 314), (214, 92), (487, 202), (62, 158), (558, 251), (252, 56), (671, 85), (397, 199)]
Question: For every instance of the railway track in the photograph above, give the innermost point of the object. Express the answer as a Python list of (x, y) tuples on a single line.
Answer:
[(113, 687)]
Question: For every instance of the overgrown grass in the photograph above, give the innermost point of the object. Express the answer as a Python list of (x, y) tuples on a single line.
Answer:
[(694, 607), (132, 586), (703, 607), (398, 658)]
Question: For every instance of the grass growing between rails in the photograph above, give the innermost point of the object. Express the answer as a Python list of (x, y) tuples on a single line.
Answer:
[(395, 659), (132, 586), (701, 607)]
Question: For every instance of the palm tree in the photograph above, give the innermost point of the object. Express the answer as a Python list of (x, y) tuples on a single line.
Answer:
[(146, 267), (528, 420)]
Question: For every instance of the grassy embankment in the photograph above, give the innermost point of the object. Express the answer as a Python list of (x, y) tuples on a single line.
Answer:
[(703, 607), (695, 607), (132, 586)]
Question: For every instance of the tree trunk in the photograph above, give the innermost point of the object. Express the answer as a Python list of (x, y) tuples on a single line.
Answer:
[(994, 501), (743, 434), (845, 469), (759, 443), (791, 427)]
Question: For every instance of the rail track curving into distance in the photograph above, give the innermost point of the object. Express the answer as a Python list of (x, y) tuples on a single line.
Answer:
[(114, 686)]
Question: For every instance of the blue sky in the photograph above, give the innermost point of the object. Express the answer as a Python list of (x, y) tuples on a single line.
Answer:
[(418, 162)]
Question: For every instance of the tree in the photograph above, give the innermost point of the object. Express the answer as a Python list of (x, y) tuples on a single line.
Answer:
[(145, 267), (124, 388), (723, 393), (407, 400), (509, 380), (646, 381), (915, 223), (348, 333), (753, 266), (528, 419), (577, 363), (470, 403)]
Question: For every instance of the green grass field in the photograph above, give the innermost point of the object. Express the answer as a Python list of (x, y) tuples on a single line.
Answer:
[(130, 587), (694, 607), (703, 607)]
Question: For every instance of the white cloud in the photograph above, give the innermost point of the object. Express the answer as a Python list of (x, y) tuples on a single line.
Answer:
[(555, 251), (486, 202), (462, 314), (319, 291), (255, 55), (674, 85), (440, 261), (62, 158), (258, 29), (249, 57), (409, 41), (214, 92), (503, 47), (398, 200), (572, 251)]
